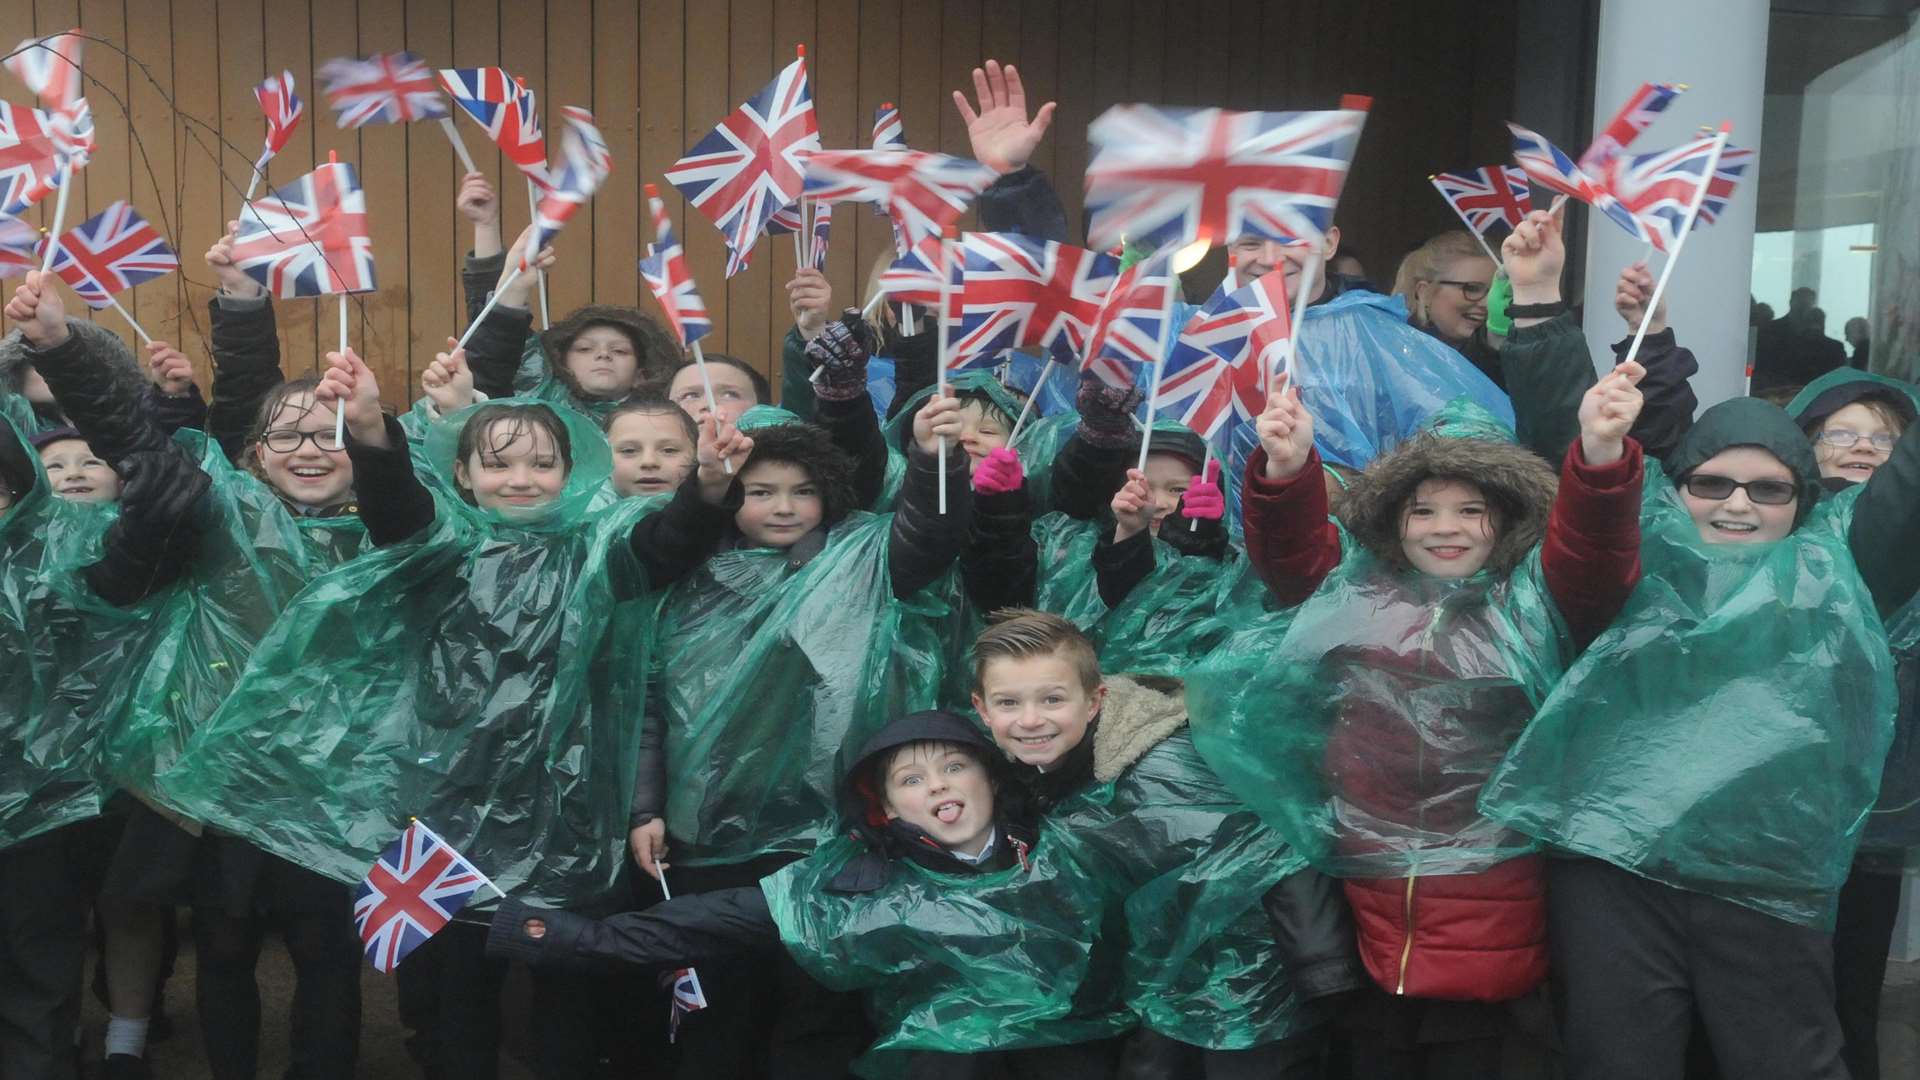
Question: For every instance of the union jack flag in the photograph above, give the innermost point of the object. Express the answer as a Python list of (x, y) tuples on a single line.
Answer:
[(586, 163), (1550, 167), (914, 278), (1131, 322), (506, 108), (923, 192), (665, 269), (687, 998), (389, 88), (1487, 195), (18, 243), (1019, 292), (1640, 110), (888, 132), (1658, 188), (114, 250), (282, 108), (29, 158), (309, 238), (416, 886), (50, 66), (749, 167), (1218, 369), (1164, 176), (787, 222)]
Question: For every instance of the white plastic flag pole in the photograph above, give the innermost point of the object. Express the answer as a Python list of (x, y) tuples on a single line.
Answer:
[(145, 338), (1193, 524), (1680, 241), (59, 216), (713, 409), (491, 300), (1469, 225), (533, 209), (259, 174), (946, 292), (340, 408), (1038, 385), (1159, 369), (459, 144), (1309, 281)]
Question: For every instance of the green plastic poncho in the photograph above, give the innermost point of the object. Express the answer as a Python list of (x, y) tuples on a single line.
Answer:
[(254, 555), (1725, 735), (482, 678), (69, 661), (1189, 864), (956, 964), (1039, 441)]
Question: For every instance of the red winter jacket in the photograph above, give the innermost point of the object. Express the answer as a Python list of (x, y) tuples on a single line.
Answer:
[(1477, 936)]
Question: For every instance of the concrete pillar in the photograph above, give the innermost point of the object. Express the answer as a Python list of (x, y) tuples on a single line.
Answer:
[(1720, 51)]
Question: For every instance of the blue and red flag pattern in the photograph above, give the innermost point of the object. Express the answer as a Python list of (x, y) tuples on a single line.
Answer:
[(1641, 109), (50, 66), (114, 250), (310, 238), (585, 164), (1487, 196), (921, 191), (389, 88), (507, 110), (282, 108), (666, 273), (416, 886), (688, 997), (888, 132), (914, 277), (19, 242), (1217, 371), (1019, 292), (1657, 188), (1131, 322), (1549, 166), (29, 159)]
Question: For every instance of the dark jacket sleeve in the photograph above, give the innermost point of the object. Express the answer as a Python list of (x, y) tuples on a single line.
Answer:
[(1085, 477), (1591, 556), (1023, 201), (650, 779), (1292, 544), (925, 542), (394, 504), (494, 350), (477, 278), (1886, 526), (148, 547), (914, 369), (246, 367), (681, 931), (1548, 370), (796, 392), (1667, 400), (175, 411), (674, 540), (1314, 932), (1000, 563), (1119, 567), (104, 409), (1207, 539), (856, 431)]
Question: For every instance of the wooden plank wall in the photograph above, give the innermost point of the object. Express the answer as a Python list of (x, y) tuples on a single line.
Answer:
[(178, 126)]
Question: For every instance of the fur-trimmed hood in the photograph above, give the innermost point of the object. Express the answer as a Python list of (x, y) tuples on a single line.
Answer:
[(16, 358), (655, 349), (1141, 712), (1518, 484)]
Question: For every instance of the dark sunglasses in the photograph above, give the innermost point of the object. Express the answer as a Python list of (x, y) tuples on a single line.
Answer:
[(1472, 290), (1763, 492), (287, 440)]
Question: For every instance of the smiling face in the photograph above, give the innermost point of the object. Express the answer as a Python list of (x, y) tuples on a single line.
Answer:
[(1036, 706), (780, 503), (1445, 299), (651, 453), (1448, 529), (603, 362), (1168, 477), (1737, 519), (983, 429), (1857, 462), (732, 390), (515, 467), (1254, 255), (298, 456), (76, 474), (945, 790)]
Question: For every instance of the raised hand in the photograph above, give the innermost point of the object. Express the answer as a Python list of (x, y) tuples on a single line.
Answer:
[(1630, 295), (998, 473), (1285, 430), (938, 419), (1534, 255), (233, 281), (348, 385), (37, 307), (480, 204), (1607, 413), (169, 369), (448, 381), (1132, 507), (721, 445), (810, 297), (1204, 501), (517, 292), (1002, 136)]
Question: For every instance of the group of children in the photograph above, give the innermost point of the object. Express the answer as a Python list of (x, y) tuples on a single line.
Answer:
[(1526, 733)]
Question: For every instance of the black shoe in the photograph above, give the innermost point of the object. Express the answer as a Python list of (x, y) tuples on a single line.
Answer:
[(125, 1067)]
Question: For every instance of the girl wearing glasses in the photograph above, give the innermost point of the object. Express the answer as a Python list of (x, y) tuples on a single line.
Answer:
[(1709, 763)]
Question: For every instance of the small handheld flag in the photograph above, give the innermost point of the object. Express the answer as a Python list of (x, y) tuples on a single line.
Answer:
[(666, 274), (283, 109), (30, 162), (922, 192), (388, 88), (50, 66), (18, 242), (310, 238), (416, 886), (113, 251), (688, 997), (507, 110), (888, 132), (1132, 322), (1219, 369), (1641, 109)]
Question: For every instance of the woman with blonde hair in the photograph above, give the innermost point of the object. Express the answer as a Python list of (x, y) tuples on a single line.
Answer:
[(1445, 283)]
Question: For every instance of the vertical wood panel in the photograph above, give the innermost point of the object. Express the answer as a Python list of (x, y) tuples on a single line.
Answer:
[(288, 48), (662, 134), (844, 122), (1147, 79), (433, 172), (378, 323), (754, 57), (200, 192), (157, 304), (708, 29), (523, 52), (476, 43), (108, 171), (1075, 112), (795, 23), (1039, 73), (959, 46), (570, 82), (880, 82), (616, 105)]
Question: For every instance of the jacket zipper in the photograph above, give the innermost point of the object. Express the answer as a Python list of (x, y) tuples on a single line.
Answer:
[(1406, 946)]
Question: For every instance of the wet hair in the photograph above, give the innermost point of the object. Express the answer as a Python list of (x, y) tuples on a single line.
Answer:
[(520, 422), (810, 448), (990, 406), (762, 389), (653, 405), (280, 397), (1023, 633)]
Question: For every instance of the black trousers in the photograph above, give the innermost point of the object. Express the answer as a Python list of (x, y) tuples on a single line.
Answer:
[(1382, 1036), (1634, 959), (46, 890), (1081, 1061), (1149, 1055), (1862, 937), (450, 992)]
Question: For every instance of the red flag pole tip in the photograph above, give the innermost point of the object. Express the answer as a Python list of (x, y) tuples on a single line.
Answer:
[(1726, 127), (800, 51), (1359, 102), (333, 157), (653, 191), (886, 104)]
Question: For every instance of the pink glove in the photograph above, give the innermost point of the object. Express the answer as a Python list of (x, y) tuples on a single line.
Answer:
[(1204, 500), (998, 473)]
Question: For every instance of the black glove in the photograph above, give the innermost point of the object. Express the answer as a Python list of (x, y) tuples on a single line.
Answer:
[(840, 354), (1106, 412)]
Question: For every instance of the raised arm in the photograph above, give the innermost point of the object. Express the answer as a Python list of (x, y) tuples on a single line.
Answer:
[(246, 348), (672, 542), (1545, 359), (999, 566), (394, 505), (681, 931), (1092, 464), (171, 397), (1003, 139), (1591, 555), (1283, 506), (925, 542), (1669, 406), (494, 350), (480, 205), (89, 370), (840, 352)]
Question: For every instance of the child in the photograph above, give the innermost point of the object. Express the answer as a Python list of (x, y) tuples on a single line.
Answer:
[(653, 444), (72, 469), (1707, 866), (737, 387), (973, 925), (1424, 632), (1109, 762)]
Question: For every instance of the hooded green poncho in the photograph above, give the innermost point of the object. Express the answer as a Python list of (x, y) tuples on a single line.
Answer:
[(1685, 743), (483, 678)]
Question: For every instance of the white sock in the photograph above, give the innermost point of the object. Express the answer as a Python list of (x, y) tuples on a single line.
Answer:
[(125, 1036)]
